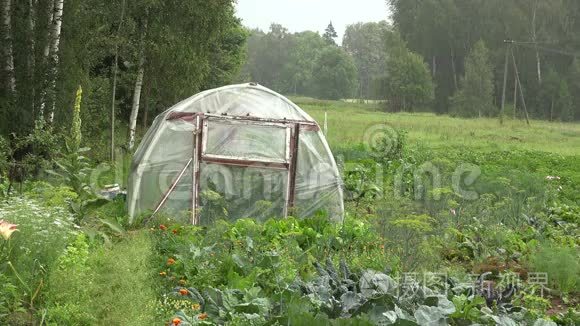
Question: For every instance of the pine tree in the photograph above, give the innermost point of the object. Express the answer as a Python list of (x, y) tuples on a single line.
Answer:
[(330, 34), (475, 98)]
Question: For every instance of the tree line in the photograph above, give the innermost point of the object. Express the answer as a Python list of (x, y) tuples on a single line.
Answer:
[(373, 62), (305, 63), (133, 59), (444, 56), (463, 43)]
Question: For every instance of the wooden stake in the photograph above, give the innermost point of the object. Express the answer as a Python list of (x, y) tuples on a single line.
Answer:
[(521, 90)]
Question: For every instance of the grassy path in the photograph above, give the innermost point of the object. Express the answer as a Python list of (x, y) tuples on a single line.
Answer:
[(115, 288)]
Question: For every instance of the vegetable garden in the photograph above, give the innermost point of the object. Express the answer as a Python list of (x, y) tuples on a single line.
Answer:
[(421, 244)]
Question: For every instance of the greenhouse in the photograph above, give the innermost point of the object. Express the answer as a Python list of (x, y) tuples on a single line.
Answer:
[(240, 151)]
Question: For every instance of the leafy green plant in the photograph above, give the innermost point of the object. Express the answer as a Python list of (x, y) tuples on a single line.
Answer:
[(407, 237), (74, 169), (467, 309), (537, 306), (231, 306), (360, 183), (564, 214), (214, 207), (50, 195), (562, 265), (10, 298)]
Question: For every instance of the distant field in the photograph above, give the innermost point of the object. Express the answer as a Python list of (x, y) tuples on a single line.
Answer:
[(347, 123)]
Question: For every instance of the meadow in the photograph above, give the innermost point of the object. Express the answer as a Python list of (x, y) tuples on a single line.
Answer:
[(347, 123), (406, 254)]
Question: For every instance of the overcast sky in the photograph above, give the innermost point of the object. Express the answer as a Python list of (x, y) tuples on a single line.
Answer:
[(300, 15)]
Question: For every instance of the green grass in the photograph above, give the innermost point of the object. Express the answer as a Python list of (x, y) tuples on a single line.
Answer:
[(111, 286), (347, 123)]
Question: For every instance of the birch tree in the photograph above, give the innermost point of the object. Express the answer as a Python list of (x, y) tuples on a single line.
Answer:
[(54, 47), (9, 55), (137, 91), (535, 39), (51, 48)]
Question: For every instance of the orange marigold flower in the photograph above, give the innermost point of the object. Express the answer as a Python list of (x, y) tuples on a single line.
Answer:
[(175, 231), (202, 316), (162, 273), (162, 227), (176, 321), (196, 306), (170, 261), (183, 292)]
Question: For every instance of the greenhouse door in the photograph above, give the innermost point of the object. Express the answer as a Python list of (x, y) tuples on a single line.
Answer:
[(243, 167)]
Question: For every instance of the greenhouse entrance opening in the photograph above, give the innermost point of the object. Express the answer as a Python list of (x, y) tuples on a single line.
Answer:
[(234, 152)]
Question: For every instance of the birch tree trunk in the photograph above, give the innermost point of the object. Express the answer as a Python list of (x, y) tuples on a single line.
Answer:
[(146, 108), (9, 56), (534, 39), (137, 93), (45, 60), (57, 25)]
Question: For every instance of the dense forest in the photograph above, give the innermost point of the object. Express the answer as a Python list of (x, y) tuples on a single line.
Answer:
[(131, 58), (445, 56)]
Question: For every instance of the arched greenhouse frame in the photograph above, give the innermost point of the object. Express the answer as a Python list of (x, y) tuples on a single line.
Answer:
[(240, 151)]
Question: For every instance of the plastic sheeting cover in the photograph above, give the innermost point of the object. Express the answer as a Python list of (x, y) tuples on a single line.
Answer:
[(230, 191)]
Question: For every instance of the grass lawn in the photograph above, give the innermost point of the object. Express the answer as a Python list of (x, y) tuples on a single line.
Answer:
[(347, 123)]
